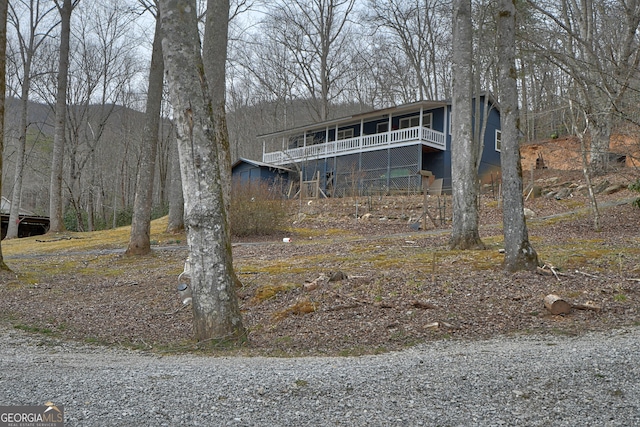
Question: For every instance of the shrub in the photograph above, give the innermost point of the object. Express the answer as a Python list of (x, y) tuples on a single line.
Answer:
[(257, 209)]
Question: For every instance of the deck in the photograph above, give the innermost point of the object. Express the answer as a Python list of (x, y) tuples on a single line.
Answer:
[(396, 138)]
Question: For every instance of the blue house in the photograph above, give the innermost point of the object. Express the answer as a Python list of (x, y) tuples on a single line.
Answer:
[(245, 171), (389, 149)]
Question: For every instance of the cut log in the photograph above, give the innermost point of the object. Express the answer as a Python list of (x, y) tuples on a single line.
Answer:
[(557, 305)]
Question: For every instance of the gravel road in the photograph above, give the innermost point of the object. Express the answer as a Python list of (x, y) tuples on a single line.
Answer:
[(592, 380)]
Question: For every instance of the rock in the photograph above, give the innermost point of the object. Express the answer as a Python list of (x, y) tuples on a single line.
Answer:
[(563, 193), (337, 276), (365, 216), (613, 189), (528, 213), (552, 181), (310, 286)]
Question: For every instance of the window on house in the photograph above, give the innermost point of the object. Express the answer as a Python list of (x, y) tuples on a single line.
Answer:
[(409, 122), (427, 120), (382, 127), (498, 140), (345, 133), (413, 121)]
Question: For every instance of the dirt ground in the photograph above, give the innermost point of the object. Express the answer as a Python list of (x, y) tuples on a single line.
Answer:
[(347, 286)]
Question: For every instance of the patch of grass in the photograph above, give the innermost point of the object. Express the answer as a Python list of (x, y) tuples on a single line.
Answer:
[(267, 292), (620, 297), (572, 204), (60, 243), (487, 260), (33, 329), (302, 307), (302, 383)]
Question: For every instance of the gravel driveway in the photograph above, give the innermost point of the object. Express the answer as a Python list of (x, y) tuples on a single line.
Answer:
[(593, 380)]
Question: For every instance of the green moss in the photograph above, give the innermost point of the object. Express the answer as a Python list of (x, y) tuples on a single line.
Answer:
[(267, 292)]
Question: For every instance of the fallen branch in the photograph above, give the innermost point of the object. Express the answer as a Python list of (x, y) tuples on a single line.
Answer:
[(552, 269), (587, 306), (587, 274), (423, 305), (57, 239), (634, 280), (174, 312)]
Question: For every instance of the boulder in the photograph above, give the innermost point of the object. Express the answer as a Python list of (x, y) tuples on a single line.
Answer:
[(563, 193)]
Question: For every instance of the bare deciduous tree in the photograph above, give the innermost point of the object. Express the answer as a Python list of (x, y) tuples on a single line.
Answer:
[(596, 44), (140, 240), (316, 34), (29, 40), (519, 254), (419, 30), (216, 312), (175, 222), (464, 152), (3, 68), (65, 8)]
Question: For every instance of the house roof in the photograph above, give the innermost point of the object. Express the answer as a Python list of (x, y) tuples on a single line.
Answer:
[(260, 164), (399, 109), (362, 116)]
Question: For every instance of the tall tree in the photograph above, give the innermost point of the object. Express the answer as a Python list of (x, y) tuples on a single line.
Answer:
[(316, 33), (140, 239), (519, 254), (215, 306), (216, 35), (29, 40), (418, 29), (596, 44), (464, 152), (56, 224), (175, 222), (98, 81), (3, 90)]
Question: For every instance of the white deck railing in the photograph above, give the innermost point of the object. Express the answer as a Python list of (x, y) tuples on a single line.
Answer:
[(377, 141)]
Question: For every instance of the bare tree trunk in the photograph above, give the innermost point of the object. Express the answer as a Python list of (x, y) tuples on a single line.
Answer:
[(215, 306), (176, 201), (464, 234), (140, 240), (215, 60), (55, 193), (16, 193), (3, 89), (519, 254), (585, 164), (600, 131)]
